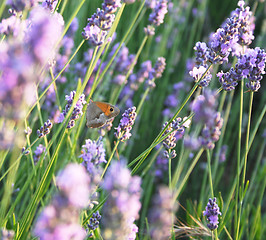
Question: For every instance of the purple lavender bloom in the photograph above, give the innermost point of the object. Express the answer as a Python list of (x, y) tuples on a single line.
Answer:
[(238, 29), (77, 112), (100, 22), (251, 65), (191, 143), (149, 30), (202, 53), (94, 34), (94, 221), (246, 20), (60, 219), (38, 153), (204, 107), (13, 26), (73, 183), (211, 134), (16, 79), (123, 202), (21, 5), (123, 130), (161, 165), (157, 16), (50, 5), (93, 154), (197, 74), (6, 234), (150, 3), (161, 214), (205, 113), (229, 80), (211, 212), (158, 69), (222, 154), (45, 129), (145, 69), (48, 27)]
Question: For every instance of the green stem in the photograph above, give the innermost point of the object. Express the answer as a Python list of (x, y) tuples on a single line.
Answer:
[(192, 165), (210, 171), (155, 141), (211, 185), (237, 220), (247, 139), (110, 158), (143, 98)]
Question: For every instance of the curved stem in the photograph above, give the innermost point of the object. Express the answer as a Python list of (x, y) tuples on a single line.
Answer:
[(110, 158)]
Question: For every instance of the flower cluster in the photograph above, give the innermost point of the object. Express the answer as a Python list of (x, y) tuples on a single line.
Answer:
[(245, 19), (158, 69), (48, 27), (202, 57), (14, 27), (100, 22), (230, 79), (50, 5), (157, 16), (94, 221), (38, 153), (162, 213), (6, 234), (204, 107), (159, 9), (237, 29), (45, 129), (211, 133), (123, 203), (250, 65), (93, 154), (77, 112), (211, 212), (170, 142), (123, 130), (21, 5), (60, 219)]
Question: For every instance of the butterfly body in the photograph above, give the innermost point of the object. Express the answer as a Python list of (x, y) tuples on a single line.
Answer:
[(98, 113)]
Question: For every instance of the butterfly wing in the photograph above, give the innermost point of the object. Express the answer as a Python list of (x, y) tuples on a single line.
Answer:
[(95, 116)]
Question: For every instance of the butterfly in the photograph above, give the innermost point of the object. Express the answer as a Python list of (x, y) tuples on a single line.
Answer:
[(98, 113)]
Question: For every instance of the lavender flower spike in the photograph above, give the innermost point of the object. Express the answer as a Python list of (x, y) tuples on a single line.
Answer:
[(157, 16), (123, 130), (161, 214), (45, 129), (60, 219), (77, 112), (93, 154), (100, 22), (123, 203), (211, 212)]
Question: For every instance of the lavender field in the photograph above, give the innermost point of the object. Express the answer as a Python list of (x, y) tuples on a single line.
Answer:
[(132, 119)]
